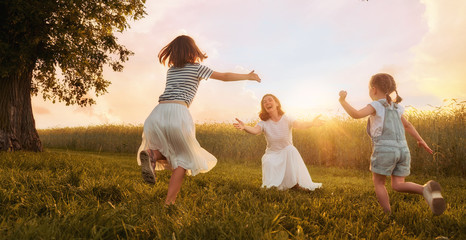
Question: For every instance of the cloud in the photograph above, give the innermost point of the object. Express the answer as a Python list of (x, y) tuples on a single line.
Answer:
[(41, 110), (438, 65), (218, 101), (304, 52), (96, 112), (157, 12)]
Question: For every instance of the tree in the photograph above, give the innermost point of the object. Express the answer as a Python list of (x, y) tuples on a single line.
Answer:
[(39, 38)]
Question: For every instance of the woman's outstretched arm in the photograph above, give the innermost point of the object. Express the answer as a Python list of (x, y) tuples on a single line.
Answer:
[(252, 130)]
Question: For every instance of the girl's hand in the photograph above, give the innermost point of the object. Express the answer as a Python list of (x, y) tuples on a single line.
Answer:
[(239, 125), (253, 76), (423, 144), (316, 122), (342, 95)]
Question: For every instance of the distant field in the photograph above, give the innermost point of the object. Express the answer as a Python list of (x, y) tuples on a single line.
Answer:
[(342, 142), (64, 194)]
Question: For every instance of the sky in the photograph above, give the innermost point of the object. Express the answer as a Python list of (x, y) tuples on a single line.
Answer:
[(305, 52)]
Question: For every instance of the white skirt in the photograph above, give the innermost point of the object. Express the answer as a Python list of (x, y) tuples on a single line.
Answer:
[(170, 130), (284, 169)]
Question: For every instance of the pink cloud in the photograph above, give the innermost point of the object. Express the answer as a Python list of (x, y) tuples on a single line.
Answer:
[(438, 65)]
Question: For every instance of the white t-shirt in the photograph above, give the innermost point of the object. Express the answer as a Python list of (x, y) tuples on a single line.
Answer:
[(376, 121), (277, 134)]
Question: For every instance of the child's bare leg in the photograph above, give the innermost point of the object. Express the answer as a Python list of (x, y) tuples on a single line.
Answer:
[(156, 155), (381, 191), (174, 185), (399, 185)]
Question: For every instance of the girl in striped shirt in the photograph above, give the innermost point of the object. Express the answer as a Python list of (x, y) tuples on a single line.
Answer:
[(168, 140)]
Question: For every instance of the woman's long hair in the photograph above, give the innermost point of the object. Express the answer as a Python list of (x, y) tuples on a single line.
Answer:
[(180, 51), (263, 114)]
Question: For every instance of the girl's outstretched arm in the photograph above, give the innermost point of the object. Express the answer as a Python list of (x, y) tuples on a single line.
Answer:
[(409, 128), (316, 122), (228, 77), (363, 112), (252, 130)]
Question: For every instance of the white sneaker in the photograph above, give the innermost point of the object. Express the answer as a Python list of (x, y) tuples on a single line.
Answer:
[(433, 196), (146, 168)]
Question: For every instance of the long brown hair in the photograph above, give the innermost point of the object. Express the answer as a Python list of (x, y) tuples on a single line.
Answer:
[(263, 114), (180, 51), (385, 83)]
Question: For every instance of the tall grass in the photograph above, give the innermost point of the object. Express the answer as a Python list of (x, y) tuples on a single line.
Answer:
[(61, 194), (103, 138), (341, 142), (445, 131)]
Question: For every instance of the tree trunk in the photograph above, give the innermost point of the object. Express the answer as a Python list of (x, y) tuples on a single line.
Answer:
[(17, 125)]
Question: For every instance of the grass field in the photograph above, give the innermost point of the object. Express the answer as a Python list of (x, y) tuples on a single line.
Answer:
[(62, 194), (341, 142)]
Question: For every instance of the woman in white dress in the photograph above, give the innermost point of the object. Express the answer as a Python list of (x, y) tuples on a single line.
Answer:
[(282, 165)]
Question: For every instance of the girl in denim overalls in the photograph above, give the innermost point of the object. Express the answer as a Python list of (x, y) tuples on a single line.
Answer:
[(390, 156)]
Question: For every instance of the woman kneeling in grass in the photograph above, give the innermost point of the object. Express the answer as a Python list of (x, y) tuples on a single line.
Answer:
[(282, 165)]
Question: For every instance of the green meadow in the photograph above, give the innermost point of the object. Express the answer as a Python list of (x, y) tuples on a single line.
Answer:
[(64, 194), (87, 185)]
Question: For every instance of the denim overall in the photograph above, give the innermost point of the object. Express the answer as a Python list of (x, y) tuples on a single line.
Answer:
[(390, 155)]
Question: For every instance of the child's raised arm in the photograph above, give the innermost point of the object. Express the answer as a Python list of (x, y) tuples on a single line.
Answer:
[(363, 112), (252, 130), (409, 128), (228, 77), (316, 122)]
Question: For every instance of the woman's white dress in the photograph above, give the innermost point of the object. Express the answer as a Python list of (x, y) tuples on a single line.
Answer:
[(282, 165)]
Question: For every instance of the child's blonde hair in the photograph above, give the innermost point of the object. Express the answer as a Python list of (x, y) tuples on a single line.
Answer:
[(384, 82)]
